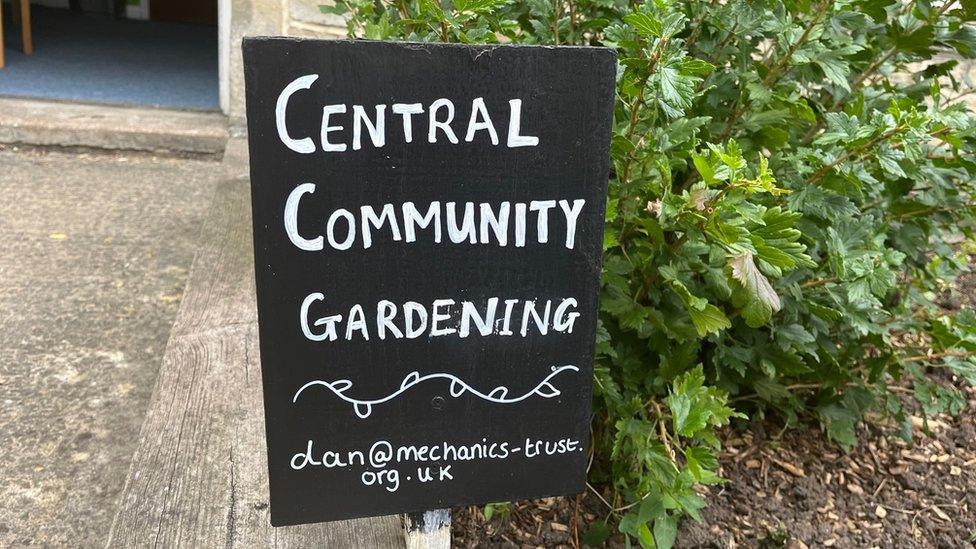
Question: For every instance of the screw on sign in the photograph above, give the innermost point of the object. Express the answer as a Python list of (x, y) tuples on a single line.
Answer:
[(428, 232)]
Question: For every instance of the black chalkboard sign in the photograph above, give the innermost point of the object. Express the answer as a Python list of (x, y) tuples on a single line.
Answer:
[(428, 232)]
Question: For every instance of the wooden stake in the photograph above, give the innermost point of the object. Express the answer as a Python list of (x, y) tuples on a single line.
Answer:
[(1, 35), (25, 26), (428, 530)]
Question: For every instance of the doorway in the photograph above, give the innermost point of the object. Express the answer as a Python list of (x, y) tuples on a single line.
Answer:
[(158, 53)]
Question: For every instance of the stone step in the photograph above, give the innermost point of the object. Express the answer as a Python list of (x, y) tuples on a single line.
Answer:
[(62, 124)]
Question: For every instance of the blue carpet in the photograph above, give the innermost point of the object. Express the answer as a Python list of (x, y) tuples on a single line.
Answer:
[(94, 58)]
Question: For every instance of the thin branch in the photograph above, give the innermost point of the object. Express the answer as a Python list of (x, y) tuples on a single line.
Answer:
[(697, 25), (851, 152), (936, 356), (776, 70), (958, 97), (773, 75), (818, 282)]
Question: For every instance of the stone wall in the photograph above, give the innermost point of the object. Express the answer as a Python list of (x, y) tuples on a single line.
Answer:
[(303, 18), (268, 18)]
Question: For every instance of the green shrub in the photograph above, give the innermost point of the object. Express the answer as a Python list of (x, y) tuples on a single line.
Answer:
[(791, 197)]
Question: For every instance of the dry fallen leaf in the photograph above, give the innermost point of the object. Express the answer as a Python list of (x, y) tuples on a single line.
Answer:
[(934, 424), (744, 270), (914, 457), (789, 467), (898, 469)]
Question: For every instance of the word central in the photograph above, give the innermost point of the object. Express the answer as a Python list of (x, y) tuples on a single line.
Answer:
[(486, 224), (439, 116)]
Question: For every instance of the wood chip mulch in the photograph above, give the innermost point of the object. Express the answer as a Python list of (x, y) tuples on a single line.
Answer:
[(798, 490), (795, 489)]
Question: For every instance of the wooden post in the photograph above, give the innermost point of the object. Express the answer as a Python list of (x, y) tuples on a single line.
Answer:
[(20, 13), (428, 530), (1, 35), (25, 26)]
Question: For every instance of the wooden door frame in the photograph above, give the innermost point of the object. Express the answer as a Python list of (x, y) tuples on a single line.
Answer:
[(223, 52)]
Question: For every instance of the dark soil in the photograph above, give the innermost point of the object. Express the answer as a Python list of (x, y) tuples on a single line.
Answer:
[(794, 491), (550, 522), (802, 490)]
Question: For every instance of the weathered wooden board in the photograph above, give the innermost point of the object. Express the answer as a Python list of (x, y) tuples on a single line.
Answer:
[(199, 477)]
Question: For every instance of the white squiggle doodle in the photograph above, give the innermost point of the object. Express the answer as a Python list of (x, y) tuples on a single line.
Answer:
[(458, 387)]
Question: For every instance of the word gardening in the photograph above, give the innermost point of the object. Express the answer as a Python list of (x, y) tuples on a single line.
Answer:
[(443, 317)]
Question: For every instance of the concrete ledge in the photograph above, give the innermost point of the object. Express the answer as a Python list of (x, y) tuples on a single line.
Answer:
[(62, 124)]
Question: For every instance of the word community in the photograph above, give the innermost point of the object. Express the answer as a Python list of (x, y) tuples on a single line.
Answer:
[(483, 223)]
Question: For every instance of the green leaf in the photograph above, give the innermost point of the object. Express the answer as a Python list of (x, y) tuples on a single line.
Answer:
[(695, 67), (478, 6), (726, 233), (650, 508), (888, 159), (701, 463), (965, 369), (709, 320), (339, 8), (610, 239), (644, 537), (877, 9), (770, 391), (676, 90), (644, 25), (835, 70), (919, 41), (691, 503), (694, 406), (756, 297), (597, 533), (665, 531), (380, 30), (841, 415), (704, 168), (672, 23), (432, 8)]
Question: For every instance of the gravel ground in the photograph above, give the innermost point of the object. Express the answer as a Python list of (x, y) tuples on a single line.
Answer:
[(94, 253)]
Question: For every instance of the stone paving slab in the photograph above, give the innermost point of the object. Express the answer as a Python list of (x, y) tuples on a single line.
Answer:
[(94, 255)]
